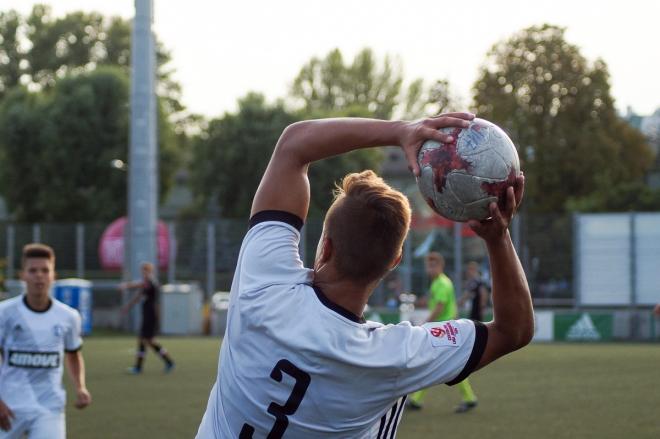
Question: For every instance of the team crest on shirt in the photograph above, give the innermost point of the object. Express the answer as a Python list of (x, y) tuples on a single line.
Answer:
[(58, 331), (444, 333)]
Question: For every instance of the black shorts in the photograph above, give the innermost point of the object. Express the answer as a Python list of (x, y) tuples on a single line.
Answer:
[(149, 325)]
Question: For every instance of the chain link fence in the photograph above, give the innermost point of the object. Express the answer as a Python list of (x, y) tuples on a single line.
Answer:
[(205, 252)]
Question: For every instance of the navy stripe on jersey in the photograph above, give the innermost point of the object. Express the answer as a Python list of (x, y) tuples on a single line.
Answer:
[(337, 308), (390, 420), (276, 215), (480, 341)]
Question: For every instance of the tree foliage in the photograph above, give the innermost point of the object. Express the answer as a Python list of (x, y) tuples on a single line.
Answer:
[(231, 155), (57, 145), (38, 49), (366, 88), (557, 108)]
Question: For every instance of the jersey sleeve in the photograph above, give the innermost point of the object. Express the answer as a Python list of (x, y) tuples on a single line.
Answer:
[(73, 336), (269, 254), (442, 352)]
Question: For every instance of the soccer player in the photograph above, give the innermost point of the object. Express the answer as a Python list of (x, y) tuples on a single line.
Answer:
[(149, 292), (38, 334), (298, 359), (476, 292), (443, 307)]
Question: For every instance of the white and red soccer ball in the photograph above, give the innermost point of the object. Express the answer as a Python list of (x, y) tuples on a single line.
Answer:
[(459, 180)]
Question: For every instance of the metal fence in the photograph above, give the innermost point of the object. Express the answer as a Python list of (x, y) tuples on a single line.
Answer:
[(205, 252)]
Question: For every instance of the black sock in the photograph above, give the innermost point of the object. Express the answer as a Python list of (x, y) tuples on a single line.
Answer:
[(160, 350), (140, 356)]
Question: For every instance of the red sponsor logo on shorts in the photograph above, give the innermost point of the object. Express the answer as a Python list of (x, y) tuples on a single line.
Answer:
[(438, 332)]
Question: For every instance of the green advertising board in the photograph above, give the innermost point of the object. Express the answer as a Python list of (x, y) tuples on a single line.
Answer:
[(384, 317), (583, 327)]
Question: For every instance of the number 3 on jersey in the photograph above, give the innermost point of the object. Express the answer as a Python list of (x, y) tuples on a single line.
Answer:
[(290, 406)]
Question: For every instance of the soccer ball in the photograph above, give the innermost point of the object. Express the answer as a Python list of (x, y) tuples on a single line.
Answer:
[(459, 180)]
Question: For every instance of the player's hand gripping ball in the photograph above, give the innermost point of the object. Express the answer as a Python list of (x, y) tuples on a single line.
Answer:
[(459, 180)]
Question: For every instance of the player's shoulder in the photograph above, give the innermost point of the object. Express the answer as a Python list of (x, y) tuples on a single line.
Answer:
[(11, 303), (64, 309), (442, 282)]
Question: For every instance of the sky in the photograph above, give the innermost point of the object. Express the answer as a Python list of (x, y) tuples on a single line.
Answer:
[(224, 49)]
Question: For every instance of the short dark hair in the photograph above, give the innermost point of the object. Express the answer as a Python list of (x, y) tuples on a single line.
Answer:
[(37, 251)]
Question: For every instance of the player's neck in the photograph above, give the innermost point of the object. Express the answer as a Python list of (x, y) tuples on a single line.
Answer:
[(37, 301), (346, 294)]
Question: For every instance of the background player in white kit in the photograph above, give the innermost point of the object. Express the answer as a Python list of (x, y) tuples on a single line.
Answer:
[(37, 335), (298, 359)]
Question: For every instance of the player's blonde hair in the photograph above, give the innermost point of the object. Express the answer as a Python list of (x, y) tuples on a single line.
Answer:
[(367, 223)]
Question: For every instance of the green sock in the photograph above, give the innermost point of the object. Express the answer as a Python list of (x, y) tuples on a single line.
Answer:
[(418, 396), (466, 391)]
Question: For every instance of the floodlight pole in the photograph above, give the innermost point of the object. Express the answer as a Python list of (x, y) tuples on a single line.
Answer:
[(140, 240)]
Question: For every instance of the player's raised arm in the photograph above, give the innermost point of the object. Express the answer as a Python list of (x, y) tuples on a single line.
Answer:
[(513, 316), (285, 186)]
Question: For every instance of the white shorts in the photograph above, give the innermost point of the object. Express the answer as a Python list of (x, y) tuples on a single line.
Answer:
[(36, 426)]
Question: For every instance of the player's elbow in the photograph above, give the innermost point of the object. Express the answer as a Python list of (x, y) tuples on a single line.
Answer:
[(517, 336), (291, 138), (526, 335)]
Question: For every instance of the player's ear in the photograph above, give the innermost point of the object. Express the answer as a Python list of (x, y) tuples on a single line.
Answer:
[(398, 259), (327, 249)]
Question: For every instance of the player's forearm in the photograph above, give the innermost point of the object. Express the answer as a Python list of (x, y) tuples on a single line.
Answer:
[(75, 366), (314, 140), (513, 314)]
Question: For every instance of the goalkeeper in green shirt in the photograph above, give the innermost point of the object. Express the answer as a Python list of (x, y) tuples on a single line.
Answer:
[(442, 304)]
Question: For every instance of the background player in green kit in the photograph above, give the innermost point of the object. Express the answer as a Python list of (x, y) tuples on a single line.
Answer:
[(442, 305)]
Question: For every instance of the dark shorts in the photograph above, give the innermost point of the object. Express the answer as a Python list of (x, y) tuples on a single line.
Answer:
[(149, 325)]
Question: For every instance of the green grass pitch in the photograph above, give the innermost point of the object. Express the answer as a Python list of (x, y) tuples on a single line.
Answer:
[(544, 391)]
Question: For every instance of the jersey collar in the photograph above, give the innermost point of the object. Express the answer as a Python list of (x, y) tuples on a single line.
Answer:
[(337, 308), (50, 303)]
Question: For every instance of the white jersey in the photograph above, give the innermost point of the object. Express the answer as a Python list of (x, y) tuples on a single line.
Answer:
[(295, 365), (33, 345)]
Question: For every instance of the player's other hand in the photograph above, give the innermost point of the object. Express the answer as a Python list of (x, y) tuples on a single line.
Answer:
[(416, 132), (656, 310), (495, 227), (6, 416), (84, 398)]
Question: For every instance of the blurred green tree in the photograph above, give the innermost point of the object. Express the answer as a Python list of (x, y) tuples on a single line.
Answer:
[(557, 108), (57, 145), (37, 49), (366, 88), (231, 155)]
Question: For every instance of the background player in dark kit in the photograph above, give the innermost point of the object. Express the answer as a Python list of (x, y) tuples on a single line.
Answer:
[(298, 359), (476, 292), (149, 292)]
